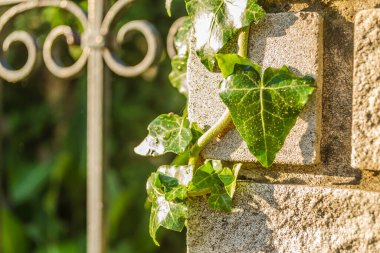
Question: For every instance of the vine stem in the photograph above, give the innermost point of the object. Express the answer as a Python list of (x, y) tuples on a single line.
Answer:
[(226, 118), (243, 42)]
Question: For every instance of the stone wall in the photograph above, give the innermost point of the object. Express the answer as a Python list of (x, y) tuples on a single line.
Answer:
[(323, 192)]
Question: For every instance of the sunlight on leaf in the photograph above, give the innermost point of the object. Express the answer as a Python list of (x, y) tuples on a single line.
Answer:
[(217, 22), (265, 105), (167, 133), (178, 75), (167, 191)]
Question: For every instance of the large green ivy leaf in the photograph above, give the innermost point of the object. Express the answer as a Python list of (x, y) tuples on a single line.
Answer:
[(167, 133), (216, 22), (178, 75), (265, 105)]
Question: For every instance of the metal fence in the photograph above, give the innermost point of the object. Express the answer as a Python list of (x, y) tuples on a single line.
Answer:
[(98, 56)]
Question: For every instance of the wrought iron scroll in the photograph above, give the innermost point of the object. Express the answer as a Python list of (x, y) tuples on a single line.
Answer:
[(98, 55), (88, 39)]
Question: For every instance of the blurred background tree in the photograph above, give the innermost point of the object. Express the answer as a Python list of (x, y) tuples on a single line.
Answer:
[(43, 162)]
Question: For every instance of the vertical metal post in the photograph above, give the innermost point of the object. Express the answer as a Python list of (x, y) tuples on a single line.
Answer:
[(98, 56), (1, 157), (96, 238)]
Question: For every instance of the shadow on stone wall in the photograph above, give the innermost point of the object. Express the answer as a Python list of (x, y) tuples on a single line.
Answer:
[(247, 229)]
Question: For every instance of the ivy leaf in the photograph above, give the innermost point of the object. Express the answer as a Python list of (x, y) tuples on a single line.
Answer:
[(181, 159), (227, 63), (220, 201), (167, 214), (178, 75), (217, 165), (212, 178), (167, 133), (181, 40), (205, 180), (178, 193), (167, 191), (167, 182), (197, 131), (216, 22), (183, 174), (168, 6), (226, 176), (265, 106), (153, 187), (229, 178)]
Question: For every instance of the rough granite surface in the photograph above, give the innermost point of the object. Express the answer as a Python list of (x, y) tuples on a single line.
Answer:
[(282, 210), (366, 91), (284, 218), (336, 141), (288, 39)]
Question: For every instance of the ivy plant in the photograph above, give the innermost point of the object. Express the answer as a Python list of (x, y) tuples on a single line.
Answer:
[(263, 104)]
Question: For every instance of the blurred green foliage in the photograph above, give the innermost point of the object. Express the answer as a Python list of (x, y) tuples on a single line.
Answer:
[(43, 162)]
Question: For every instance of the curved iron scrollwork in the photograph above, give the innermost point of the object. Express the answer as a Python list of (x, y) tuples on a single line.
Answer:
[(88, 40)]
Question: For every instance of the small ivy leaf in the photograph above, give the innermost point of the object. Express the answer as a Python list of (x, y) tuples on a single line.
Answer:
[(168, 179), (167, 133), (183, 174), (220, 201), (181, 159), (212, 178), (217, 165), (265, 106), (153, 223), (168, 6), (197, 131), (169, 215), (178, 75), (153, 187), (176, 194), (227, 63), (181, 40), (167, 182), (229, 178), (205, 180), (167, 191), (217, 22), (226, 176)]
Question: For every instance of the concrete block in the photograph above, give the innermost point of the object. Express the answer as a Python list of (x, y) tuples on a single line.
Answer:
[(366, 91), (282, 39), (285, 218)]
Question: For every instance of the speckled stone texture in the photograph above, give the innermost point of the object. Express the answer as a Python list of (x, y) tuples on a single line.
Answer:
[(284, 218), (288, 39), (366, 91)]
